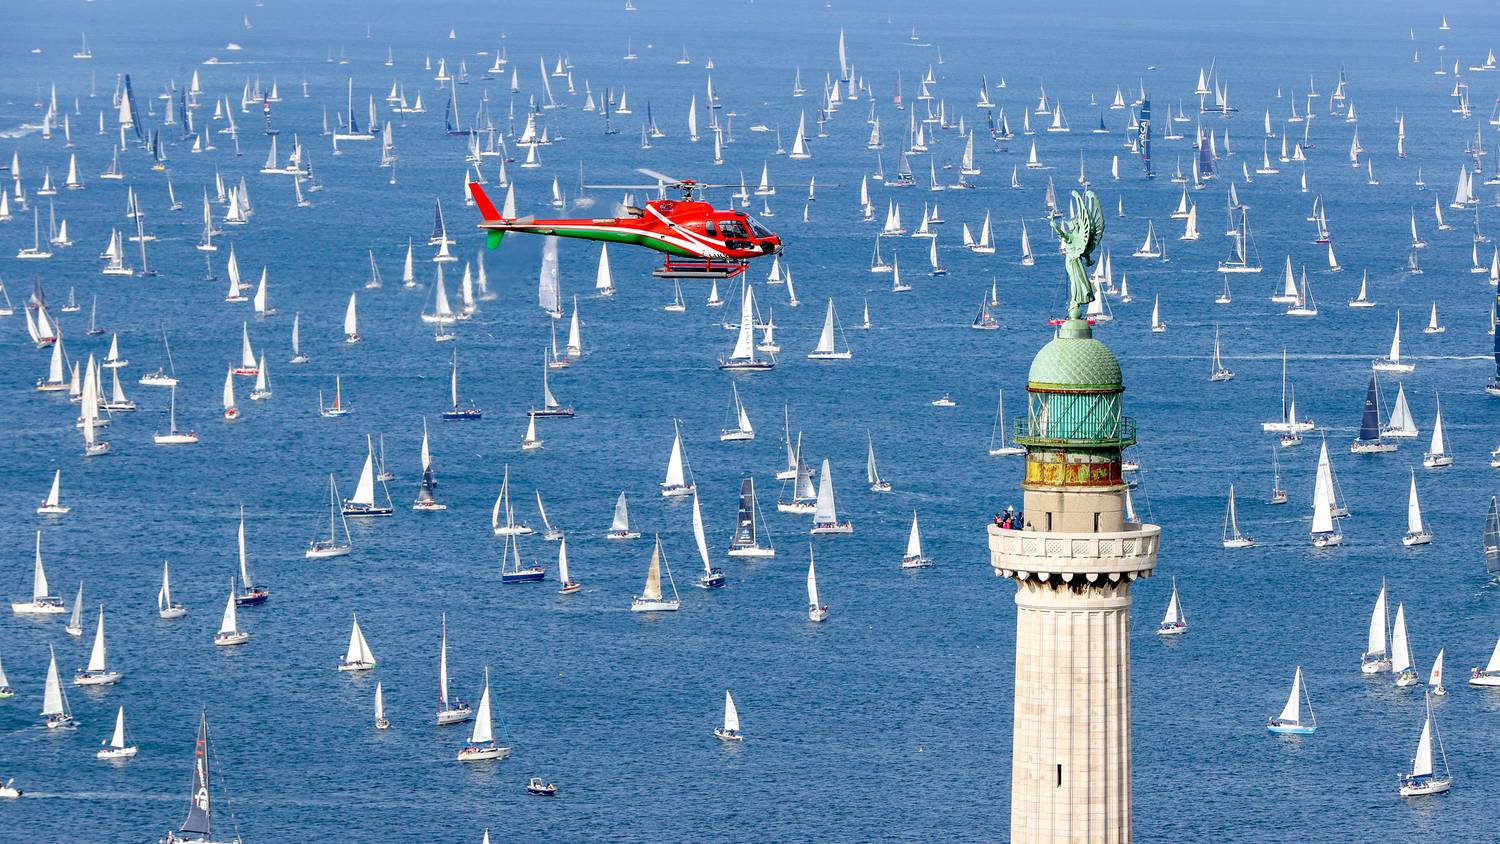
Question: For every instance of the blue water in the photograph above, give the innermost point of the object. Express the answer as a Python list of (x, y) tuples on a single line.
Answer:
[(891, 721)]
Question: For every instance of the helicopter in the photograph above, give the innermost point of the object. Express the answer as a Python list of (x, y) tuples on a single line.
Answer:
[(715, 243)]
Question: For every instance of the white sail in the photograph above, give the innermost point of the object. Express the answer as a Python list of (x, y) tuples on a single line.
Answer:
[(825, 339), (1434, 677), (117, 739), (698, 534), (483, 732), (364, 493), (1174, 608), (1401, 421), (914, 540), (1400, 648), (359, 649), (622, 515), (827, 511), (812, 582), (652, 591), (1375, 641), (603, 281), (675, 476), (55, 492), (1413, 509), (53, 702), (351, 317), (229, 623), (1438, 446), (1323, 495), (731, 715), (1292, 712), (39, 588), (97, 655)]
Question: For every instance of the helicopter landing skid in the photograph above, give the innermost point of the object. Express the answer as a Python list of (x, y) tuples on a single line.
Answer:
[(700, 269)]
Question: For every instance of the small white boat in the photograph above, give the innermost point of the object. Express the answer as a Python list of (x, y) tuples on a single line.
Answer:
[(173, 435), (1174, 621), (1290, 721), (730, 731), (1435, 676), (944, 401), (332, 546), (1416, 532), (914, 558), (229, 631), (358, 656), (56, 712), (1437, 456), (8, 790), (51, 505), (825, 514), (678, 481), (1233, 538), (166, 608), (481, 746), (872, 472), (117, 746), (41, 603), (1490, 674), (1424, 778), (651, 598), (1377, 657), (98, 672), (816, 610), (381, 722), (450, 710), (620, 527)]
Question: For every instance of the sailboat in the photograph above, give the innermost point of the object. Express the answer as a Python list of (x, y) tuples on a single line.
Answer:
[(1400, 425), (711, 578), (1000, 445), (749, 525), (198, 827), (1416, 533), (1424, 778), (51, 505), (358, 656), (1217, 371), (511, 570), (450, 710), (363, 502), (1174, 621), (678, 481), (97, 673), (1325, 532), (1491, 540), (1369, 441), (826, 349), (351, 320), (914, 558), (511, 527), (117, 746), (229, 630), (250, 594), (743, 430), (1288, 423), (742, 358), (321, 548), (569, 585), (55, 709), (651, 598), (1437, 456), (481, 745), (1377, 657), (425, 500), (620, 527), (297, 356), (338, 408), (550, 408), (1392, 362), (381, 722), (166, 608), (872, 472), (1232, 536), (550, 532), (1435, 676), (1401, 662), (1290, 722), (1432, 323), (455, 411), (825, 516), (75, 621), (731, 729), (41, 603), (816, 610)]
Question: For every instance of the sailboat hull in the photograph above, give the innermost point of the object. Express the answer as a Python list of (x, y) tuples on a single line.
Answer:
[(117, 753), (238, 637), (644, 605), (832, 528), (174, 611), (322, 550), (52, 510), (752, 551), (97, 678), (534, 574), (623, 534), (483, 753), (44, 606), (1175, 628), (456, 715), (1421, 786), (1421, 538), (351, 509), (1290, 729), (252, 597)]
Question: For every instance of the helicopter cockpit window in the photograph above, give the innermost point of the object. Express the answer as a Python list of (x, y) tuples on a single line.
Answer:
[(755, 226), (731, 229), (712, 228)]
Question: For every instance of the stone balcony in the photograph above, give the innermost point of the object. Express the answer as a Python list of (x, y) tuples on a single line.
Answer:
[(1038, 555)]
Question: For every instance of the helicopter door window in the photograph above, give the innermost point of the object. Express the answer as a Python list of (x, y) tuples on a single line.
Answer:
[(735, 236), (712, 228)]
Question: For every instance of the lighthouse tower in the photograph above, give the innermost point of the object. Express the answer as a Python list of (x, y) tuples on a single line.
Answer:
[(1073, 559)]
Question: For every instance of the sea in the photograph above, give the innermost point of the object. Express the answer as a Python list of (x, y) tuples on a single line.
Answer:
[(891, 720)]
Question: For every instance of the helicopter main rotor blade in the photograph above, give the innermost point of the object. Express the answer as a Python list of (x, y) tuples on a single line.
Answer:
[(658, 175)]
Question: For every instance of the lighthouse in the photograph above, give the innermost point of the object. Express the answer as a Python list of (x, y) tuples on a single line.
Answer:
[(1073, 557)]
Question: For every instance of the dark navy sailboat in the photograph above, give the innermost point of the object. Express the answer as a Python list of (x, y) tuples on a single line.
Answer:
[(1369, 441), (198, 828)]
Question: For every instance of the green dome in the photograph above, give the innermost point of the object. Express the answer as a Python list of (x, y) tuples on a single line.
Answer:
[(1071, 360)]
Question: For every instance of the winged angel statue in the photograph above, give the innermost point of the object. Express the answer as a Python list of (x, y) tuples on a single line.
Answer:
[(1080, 236)]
